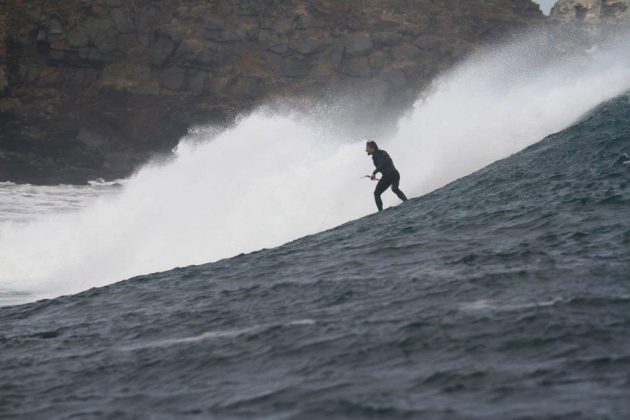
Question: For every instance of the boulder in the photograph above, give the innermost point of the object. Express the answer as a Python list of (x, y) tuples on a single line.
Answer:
[(214, 24), (4, 84), (377, 60), (90, 54), (197, 81), (336, 53), (99, 29), (55, 27), (56, 55), (357, 67), (77, 38), (172, 78), (225, 35), (161, 50), (219, 85), (307, 45), (248, 31), (107, 45), (406, 52), (90, 138), (307, 22), (357, 45), (197, 52), (273, 41), (394, 76), (122, 21), (386, 39), (291, 67), (282, 26)]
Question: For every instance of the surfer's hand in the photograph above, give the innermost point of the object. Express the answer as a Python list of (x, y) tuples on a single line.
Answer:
[(373, 177)]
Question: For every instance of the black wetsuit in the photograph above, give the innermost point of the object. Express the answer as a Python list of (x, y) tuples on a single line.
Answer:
[(389, 177)]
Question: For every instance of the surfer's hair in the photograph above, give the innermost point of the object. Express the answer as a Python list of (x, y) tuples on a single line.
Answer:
[(372, 145)]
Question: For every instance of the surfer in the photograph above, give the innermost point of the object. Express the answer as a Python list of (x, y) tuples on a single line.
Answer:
[(389, 174)]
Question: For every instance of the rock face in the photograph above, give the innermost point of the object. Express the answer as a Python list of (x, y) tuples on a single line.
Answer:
[(592, 11), (579, 24), (92, 88)]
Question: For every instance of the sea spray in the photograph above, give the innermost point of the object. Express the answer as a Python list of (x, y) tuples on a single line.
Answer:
[(274, 177)]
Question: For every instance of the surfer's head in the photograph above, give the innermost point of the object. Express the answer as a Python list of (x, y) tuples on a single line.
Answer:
[(371, 147)]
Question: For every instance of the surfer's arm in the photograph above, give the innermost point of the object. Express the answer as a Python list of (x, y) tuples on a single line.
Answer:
[(379, 167)]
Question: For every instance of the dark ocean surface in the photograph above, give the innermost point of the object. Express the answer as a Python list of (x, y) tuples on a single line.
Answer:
[(505, 294)]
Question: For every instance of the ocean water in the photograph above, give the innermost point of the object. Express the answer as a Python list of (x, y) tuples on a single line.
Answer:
[(505, 294), (501, 290)]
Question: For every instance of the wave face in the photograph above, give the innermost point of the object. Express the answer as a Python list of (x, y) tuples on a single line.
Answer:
[(275, 177), (479, 300)]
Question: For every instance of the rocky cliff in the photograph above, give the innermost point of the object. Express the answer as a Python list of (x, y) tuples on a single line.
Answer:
[(92, 88), (592, 11), (582, 23)]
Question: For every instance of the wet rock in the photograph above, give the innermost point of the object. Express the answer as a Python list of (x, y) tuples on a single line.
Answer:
[(214, 24), (280, 48), (592, 11), (395, 77), (198, 52), (287, 66), (223, 36), (99, 29), (41, 35), (90, 54), (273, 40), (386, 39), (357, 45), (55, 27), (307, 45), (172, 78), (161, 50), (28, 73), (77, 78), (219, 85), (377, 60), (77, 38), (243, 87), (434, 44), (58, 44), (107, 45), (56, 55), (406, 52), (91, 139), (336, 53), (197, 81), (307, 22), (282, 26), (248, 31), (4, 84), (122, 21), (357, 67)]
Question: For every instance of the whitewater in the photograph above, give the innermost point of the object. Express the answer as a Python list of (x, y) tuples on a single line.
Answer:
[(276, 176)]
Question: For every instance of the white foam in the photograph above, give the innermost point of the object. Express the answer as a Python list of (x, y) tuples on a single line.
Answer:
[(302, 322)]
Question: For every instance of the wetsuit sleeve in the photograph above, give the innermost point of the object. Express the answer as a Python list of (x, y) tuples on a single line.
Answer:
[(378, 163)]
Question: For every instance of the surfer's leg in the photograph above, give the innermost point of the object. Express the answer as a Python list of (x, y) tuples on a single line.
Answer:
[(382, 185), (396, 190)]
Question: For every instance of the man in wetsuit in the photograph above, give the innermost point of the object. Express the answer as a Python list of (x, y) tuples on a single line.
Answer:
[(389, 174)]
